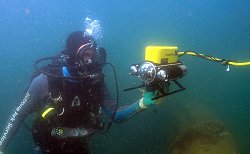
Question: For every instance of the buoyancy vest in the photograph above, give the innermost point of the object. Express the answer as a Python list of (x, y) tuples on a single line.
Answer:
[(76, 108)]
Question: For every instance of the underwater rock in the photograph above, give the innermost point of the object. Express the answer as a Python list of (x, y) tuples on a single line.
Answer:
[(207, 137)]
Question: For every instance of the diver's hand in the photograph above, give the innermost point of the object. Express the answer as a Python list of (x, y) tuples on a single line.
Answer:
[(146, 100), (159, 90), (1, 152)]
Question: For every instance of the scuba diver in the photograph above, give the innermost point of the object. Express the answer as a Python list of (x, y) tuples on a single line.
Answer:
[(68, 97)]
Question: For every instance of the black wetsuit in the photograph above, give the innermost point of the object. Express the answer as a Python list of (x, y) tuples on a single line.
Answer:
[(37, 91)]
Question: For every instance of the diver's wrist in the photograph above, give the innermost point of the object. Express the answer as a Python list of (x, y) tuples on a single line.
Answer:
[(141, 104)]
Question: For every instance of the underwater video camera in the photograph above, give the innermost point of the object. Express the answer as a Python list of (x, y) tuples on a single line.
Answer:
[(161, 66)]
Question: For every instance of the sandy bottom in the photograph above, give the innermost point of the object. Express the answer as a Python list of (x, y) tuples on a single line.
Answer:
[(205, 138)]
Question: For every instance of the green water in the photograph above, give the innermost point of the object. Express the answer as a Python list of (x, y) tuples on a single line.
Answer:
[(33, 29)]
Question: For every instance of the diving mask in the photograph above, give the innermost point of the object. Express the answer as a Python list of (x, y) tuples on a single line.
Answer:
[(89, 58), (86, 52)]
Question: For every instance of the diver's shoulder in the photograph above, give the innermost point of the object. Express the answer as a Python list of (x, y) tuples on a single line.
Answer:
[(39, 83), (41, 77)]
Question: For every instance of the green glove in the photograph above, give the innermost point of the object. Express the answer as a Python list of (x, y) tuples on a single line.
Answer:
[(146, 101)]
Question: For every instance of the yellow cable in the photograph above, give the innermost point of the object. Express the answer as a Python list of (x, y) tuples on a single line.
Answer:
[(215, 59), (239, 63)]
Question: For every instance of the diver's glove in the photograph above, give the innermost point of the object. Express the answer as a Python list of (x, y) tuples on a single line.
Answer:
[(146, 100), (1, 152), (156, 90)]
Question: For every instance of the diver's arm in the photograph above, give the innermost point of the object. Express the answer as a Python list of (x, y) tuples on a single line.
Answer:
[(36, 91), (127, 111), (123, 112)]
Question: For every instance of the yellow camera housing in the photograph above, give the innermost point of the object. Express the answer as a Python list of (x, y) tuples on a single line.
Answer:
[(161, 54)]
